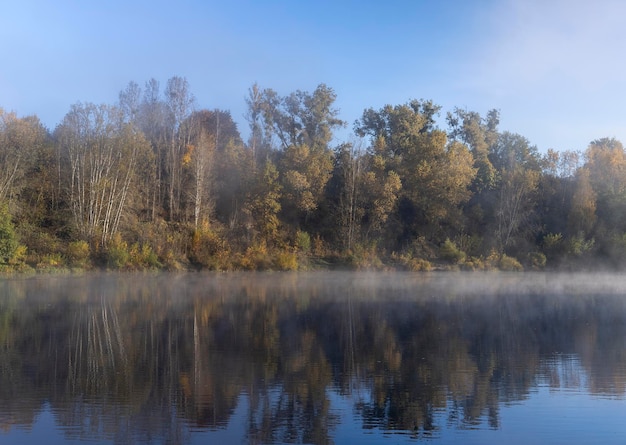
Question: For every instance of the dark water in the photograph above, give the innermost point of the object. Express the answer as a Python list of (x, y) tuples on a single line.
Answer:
[(313, 358)]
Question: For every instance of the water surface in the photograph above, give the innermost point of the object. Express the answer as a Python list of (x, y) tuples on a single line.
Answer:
[(321, 358)]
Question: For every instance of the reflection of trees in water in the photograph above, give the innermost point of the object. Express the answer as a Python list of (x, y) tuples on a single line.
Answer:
[(170, 354)]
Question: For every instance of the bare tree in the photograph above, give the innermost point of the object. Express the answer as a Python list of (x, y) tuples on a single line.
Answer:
[(101, 154)]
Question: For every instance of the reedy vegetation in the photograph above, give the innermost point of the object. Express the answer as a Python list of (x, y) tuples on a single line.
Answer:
[(153, 182)]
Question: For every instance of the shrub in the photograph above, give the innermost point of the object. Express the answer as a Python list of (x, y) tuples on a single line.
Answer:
[(508, 263), (578, 245), (418, 265), (449, 252), (256, 258), (8, 238), (78, 253), (117, 254), (209, 250), (286, 261), (537, 260), (143, 257), (303, 241)]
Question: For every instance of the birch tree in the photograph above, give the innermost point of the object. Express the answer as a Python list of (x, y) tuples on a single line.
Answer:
[(100, 155), (20, 138)]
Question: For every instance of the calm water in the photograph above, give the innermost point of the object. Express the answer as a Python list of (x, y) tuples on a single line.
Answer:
[(319, 358)]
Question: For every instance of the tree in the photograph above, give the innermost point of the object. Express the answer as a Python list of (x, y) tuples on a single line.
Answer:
[(179, 102), (479, 134), (8, 238), (263, 202), (435, 175), (519, 168), (100, 154), (20, 140), (345, 193), (303, 123), (200, 159), (582, 214)]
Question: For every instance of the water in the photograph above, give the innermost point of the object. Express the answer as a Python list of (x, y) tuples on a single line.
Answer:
[(379, 358)]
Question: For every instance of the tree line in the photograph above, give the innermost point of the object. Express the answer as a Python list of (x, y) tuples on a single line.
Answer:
[(153, 181)]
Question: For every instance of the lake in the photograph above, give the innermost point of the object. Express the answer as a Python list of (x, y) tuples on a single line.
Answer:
[(316, 357)]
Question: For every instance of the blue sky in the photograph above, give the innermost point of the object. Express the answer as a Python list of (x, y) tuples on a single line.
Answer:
[(554, 68)]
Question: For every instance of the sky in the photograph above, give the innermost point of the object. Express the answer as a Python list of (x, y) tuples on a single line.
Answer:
[(554, 68)]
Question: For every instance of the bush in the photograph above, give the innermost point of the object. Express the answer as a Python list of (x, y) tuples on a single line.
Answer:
[(117, 254), (419, 265), (8, 239), (508, 263), (256, 258), (143, 257), (449, 252), (209, 250), (78, 253), (286, 261), (537, 260), (303, 241)]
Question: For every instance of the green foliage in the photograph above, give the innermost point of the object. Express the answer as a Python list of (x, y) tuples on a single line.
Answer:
[(303, 241), (451, 253), (187, 192), (78, 253), (256, 257), (408, 262), (364, 257), (143, 257), (537, 260), (578, 246), (286, 261), (209, 250), (117, 255), (9, 244), (508, 263)]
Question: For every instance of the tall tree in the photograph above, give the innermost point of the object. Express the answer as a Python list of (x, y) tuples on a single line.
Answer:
[(435, 175), (519, 168), (480, 134), (20, 139), (180, 103), (303, 123), (100, 154)]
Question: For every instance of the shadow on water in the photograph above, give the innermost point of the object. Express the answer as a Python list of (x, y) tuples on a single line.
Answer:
[(141, 358)]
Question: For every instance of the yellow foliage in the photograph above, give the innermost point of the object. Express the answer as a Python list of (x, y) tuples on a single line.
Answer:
[(187, 156), (286, 261)]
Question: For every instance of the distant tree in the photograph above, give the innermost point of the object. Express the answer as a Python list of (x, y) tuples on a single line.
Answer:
[(179, 103), (519, 169), (8, 238), (20, 140), (100, 155), (435, 175), (263, 203), (582, 214), (480, 134), (303, 123)]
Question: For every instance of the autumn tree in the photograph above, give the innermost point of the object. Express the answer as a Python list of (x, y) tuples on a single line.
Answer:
[(20, 141), (100, 154), (263, 204), (519, 168), (479, 134), (179, 104), (582, 215), (435, 175), (345, 195), (303, 123)]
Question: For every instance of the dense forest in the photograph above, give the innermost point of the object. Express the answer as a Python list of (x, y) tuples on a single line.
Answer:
[(154, 182)]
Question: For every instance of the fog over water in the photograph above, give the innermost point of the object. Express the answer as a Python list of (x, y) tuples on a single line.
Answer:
[(338, 357)]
